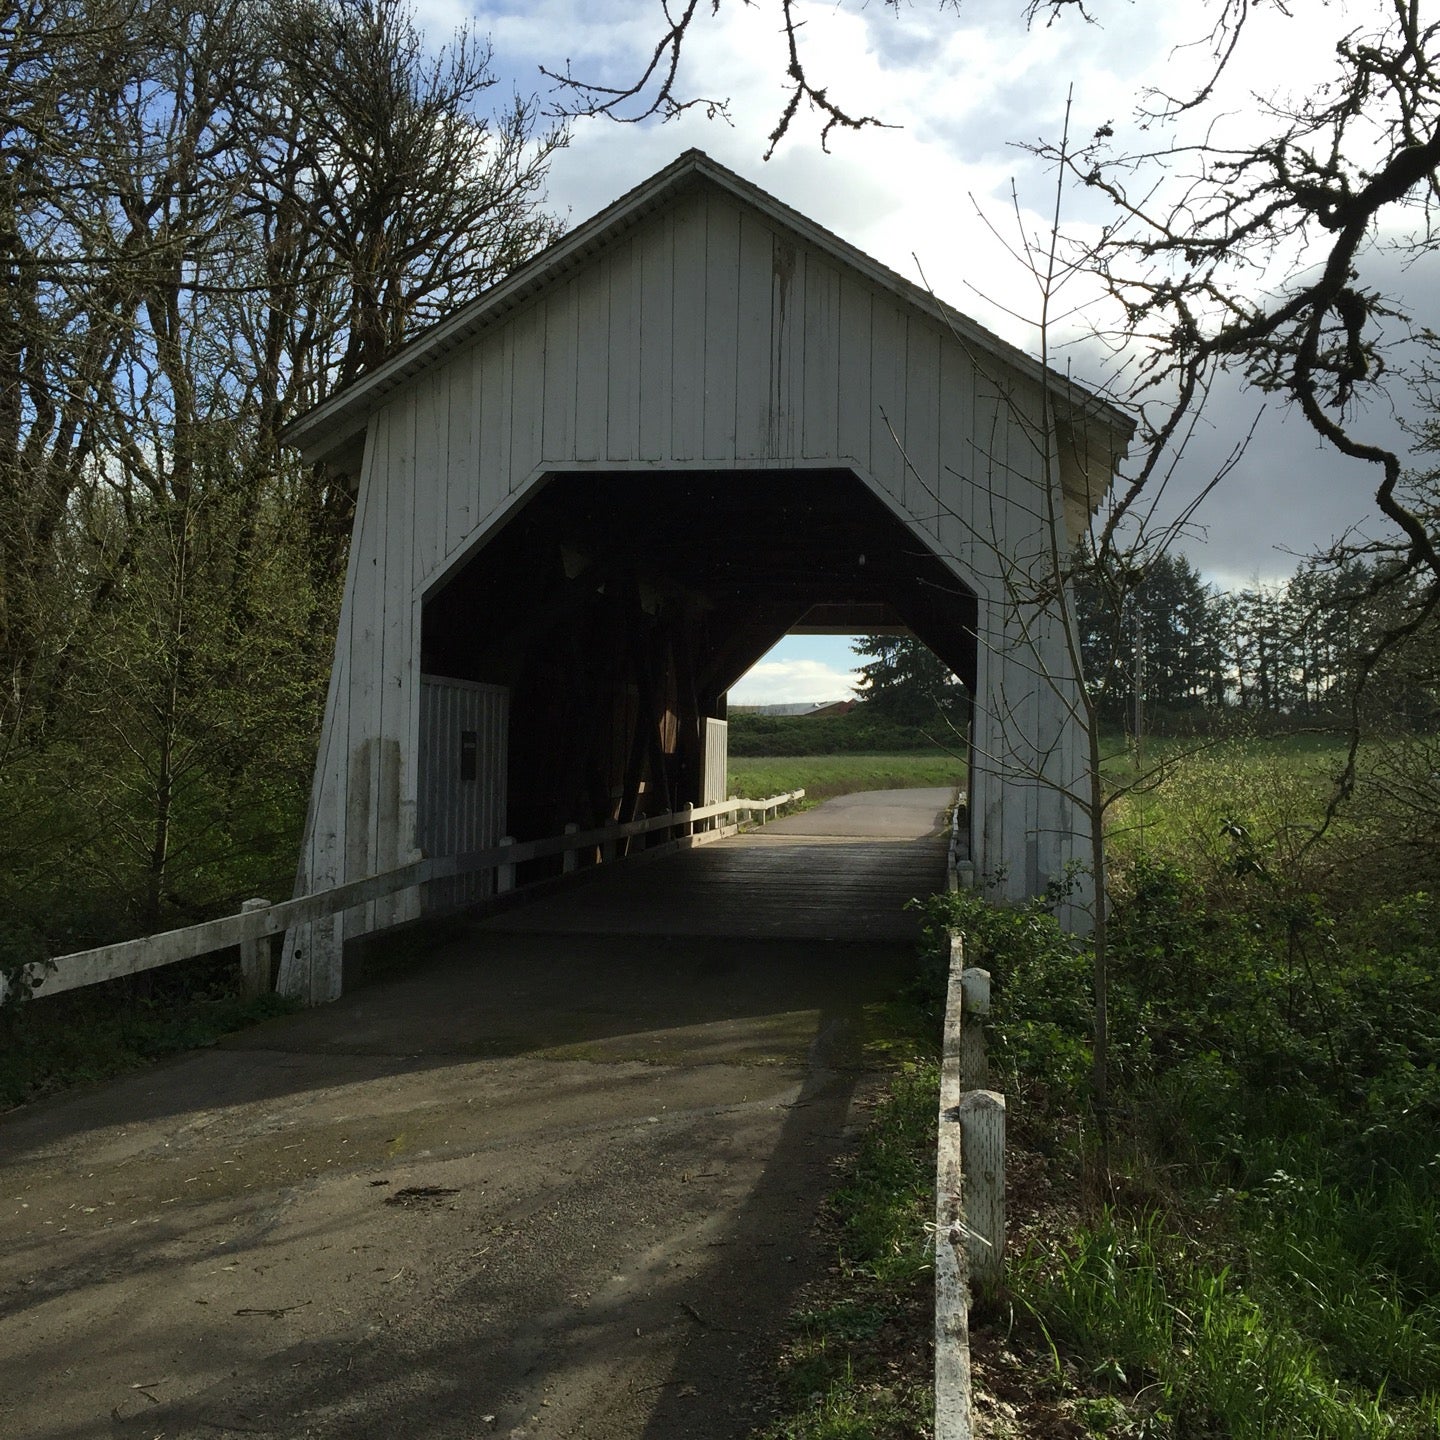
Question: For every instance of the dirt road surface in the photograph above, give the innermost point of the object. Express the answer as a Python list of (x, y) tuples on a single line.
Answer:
[(558, 1180)]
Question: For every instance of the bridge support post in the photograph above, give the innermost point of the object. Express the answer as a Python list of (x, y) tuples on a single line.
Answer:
[(505, 874), (982, 1149), (255, 957)]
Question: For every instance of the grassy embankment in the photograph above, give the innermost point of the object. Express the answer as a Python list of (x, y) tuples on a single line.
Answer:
[(1263, 1256)]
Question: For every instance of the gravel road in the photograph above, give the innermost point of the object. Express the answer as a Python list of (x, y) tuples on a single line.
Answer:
[(550, 1182)]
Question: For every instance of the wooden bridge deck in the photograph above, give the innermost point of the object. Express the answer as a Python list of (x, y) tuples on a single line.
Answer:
[(843, 872)]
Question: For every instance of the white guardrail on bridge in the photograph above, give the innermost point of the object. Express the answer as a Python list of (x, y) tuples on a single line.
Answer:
[(259, 922)]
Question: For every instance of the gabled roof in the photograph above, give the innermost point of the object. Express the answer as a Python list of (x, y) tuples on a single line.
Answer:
[(339, 421)]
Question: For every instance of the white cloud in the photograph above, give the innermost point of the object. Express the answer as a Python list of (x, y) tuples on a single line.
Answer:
[(776, 682)]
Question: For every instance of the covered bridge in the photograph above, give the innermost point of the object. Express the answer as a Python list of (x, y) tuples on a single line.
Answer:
[(592, 498)]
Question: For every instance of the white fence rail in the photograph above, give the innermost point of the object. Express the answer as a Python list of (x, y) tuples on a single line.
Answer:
[(259, 921)]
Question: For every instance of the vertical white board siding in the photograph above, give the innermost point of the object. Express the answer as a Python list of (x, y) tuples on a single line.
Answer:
[(688, 332), (527, 395), (957, 534), (456, 815), (432, 458), (561, 343), (855, 399), (657, 306), (887, 413), (592, 305), (717, 761), (394, 813), (787, 359), (361, 716), (722, 308), (922, 477), (755, 398), (462, 471), (495, 374), (821, 400), (623, 355)]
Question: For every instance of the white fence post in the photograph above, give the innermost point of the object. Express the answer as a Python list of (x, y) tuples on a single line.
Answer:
[(974, 1062), (505, 874), (982, 1147), (255, 957)]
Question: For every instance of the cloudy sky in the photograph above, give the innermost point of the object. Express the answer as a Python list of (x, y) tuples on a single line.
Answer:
[(926, 198)]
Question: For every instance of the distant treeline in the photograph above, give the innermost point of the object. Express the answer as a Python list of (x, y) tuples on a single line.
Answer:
[(857, 732), (1268, 655)]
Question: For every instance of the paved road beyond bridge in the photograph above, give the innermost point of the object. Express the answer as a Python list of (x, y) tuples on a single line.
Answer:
[(558, 1179)]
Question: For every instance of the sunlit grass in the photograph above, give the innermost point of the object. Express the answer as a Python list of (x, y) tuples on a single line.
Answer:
[(1188, 1350), (823, 776)]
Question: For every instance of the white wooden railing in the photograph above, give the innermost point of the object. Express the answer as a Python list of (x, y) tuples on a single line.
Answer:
[(259, 921)]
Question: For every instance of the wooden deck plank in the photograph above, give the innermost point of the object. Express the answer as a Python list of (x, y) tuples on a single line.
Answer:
[(753, 887)]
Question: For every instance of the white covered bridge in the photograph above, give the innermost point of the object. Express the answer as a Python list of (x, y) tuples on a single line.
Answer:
[(592, 498)]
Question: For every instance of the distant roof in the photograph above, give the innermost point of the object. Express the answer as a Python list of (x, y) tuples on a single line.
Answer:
[(340, 419)]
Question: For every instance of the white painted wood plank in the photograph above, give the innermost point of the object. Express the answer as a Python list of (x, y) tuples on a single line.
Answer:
[(561, 327), (887, 376), (957, 480), (430, 495), (922, 425), (854, 397), (463, 468), (495, 372), (687, 401), (755, 398), (657, 303), (722, 300), (787, 363), (623, 371), (821, 426), (592, 343), (527, 396), (366, 649), (393, 840)]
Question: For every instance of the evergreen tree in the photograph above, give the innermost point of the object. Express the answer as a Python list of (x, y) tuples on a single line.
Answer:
[(905, 682)]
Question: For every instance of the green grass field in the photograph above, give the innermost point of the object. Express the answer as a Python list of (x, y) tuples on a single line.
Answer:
[(822, 776)]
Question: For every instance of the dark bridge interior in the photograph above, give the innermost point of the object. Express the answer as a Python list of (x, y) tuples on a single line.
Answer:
[(620, 607)]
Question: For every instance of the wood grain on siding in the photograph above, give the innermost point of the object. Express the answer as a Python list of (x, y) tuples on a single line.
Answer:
[(821, 396), (657, 305), (722, 327), (688, 332), (592, 340), (754, 383)]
